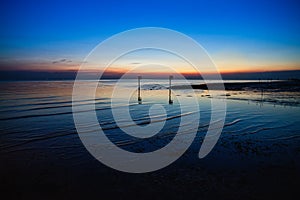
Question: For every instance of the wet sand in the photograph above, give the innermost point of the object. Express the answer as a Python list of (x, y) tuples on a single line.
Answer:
[(274, 86), (274, 92), (42, 157)]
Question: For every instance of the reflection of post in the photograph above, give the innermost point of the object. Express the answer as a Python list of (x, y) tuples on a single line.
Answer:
[(262, 83), (170, 86), (139, 90), (262, 96)]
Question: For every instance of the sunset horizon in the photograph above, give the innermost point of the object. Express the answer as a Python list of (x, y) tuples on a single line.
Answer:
[(237, 43), (9, 75)]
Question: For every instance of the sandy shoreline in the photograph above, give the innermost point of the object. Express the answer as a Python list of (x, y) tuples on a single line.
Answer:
[(272, 86)]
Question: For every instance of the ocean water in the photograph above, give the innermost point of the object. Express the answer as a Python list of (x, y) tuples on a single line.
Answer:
[(41, 153)]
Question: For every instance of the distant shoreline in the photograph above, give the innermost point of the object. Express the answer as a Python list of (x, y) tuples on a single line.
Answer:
[(27, 75), (271, 86)]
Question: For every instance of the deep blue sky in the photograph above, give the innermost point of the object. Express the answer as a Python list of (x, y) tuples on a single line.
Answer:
[(242, 33)]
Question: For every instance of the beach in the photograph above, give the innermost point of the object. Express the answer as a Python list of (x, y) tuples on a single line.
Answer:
[(256, 157), (285, 92)]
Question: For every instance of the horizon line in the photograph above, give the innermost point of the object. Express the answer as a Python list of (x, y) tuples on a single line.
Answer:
[(71, 75)]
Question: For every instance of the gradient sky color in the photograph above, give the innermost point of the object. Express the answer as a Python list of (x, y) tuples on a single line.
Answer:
[(240, 36)]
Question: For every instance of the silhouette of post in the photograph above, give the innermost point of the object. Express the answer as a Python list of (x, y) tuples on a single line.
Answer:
[(139, 89), (170, 86)]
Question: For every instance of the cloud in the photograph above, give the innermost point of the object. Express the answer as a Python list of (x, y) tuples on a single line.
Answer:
[(135, 63), (64, 60)]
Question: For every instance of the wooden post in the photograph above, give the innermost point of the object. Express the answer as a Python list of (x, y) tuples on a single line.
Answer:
[(170, 93), (139, 89)]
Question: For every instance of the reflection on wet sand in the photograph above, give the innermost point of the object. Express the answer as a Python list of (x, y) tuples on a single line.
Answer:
[(257, 154)]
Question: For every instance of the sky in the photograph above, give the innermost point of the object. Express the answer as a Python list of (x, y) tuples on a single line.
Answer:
[(240, 36)]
